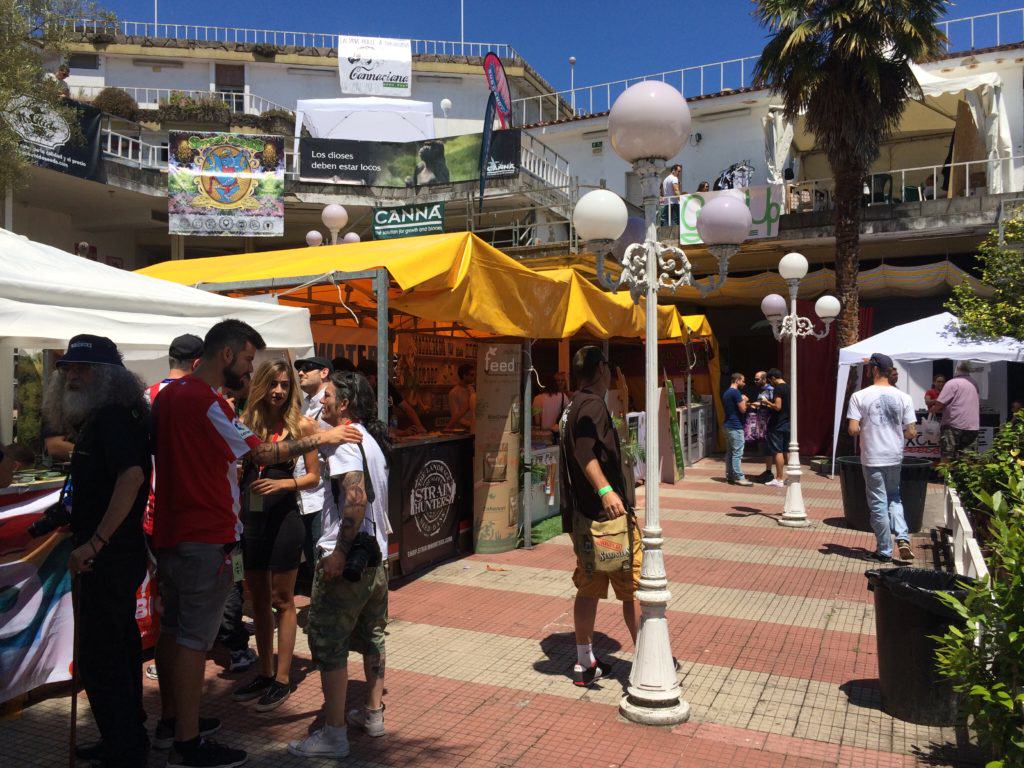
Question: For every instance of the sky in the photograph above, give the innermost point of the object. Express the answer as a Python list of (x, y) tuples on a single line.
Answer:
[(610, 40)]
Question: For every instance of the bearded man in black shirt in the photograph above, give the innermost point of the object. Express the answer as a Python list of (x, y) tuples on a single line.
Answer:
[(98, 401), (598, 510)]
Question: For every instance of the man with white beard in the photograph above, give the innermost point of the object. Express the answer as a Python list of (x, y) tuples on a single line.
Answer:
[(99, 404)]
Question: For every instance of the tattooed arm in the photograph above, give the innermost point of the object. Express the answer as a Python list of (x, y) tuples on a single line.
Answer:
[(353, 510), (282, 450)]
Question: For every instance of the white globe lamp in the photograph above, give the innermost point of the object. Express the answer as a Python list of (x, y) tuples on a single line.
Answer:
[(350, 237), (793, 266), (649, 120), (600, 215), (773, 306), (334, 217), (827, 307), (314, 238)]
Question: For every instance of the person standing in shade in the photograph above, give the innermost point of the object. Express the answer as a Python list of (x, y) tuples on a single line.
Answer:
[(960, 406), (883, 418), (932, 394), (462, 399), (670, 191), (734, 403), (778, 425), (313, 375), (548, 406), (595, 492), (764, 394), (396, 403)]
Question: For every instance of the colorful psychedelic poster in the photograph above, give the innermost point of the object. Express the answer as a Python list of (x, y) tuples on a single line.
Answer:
[(225, 184)]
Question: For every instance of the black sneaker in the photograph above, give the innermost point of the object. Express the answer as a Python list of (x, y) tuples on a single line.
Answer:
[(584, 677), (90, 751), (274, 696), (204, 753), (163, 736), (880, 558), (253, 689)]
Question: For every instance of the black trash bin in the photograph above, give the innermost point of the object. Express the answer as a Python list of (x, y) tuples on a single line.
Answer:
[(907, 613), (913, 489)]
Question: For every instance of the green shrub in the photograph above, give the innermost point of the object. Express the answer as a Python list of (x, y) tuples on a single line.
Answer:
[(278, 121), (986, 660), (117, 102), (180, 107), (265, 50)]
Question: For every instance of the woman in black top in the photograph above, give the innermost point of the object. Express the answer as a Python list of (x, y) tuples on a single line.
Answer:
[(273, 533)]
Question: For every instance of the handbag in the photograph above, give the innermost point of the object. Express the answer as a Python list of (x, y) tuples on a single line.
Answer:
[(755, 428)]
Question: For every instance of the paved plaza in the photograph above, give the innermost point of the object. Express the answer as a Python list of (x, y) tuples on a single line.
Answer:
[(773, 629)]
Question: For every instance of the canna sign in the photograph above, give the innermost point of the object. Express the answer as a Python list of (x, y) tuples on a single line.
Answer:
[(408, 221)]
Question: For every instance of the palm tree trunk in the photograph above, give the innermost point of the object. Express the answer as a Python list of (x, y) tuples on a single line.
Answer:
[(849, 188)]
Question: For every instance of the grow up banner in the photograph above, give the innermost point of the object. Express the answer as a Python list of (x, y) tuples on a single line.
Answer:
[(765, 205), (225, 184)]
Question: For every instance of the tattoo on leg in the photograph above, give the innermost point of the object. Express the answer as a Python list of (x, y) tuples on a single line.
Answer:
[(378, 666)]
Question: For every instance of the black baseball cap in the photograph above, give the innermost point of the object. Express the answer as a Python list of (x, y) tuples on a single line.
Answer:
[(314, 362), (186, 347), (91, 350), (884, 362)]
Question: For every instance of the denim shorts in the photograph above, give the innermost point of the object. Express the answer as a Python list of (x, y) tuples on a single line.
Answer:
[(778, 441), (194, 579)]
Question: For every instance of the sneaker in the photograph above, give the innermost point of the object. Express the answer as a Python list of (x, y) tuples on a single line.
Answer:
[(274, 696), (776, 483), (163, 736), (254, 689), (742, 482), (906, 553), (318, 744), (370, 720), (584, 677), (242, 660), (206, 754), (151, 672), (90, 751)]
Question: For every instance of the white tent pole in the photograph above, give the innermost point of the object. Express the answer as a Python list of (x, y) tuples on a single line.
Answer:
[(7, 393), (842, 376)]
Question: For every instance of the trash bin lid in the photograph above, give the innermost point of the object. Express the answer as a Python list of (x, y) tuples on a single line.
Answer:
[(920, 587)]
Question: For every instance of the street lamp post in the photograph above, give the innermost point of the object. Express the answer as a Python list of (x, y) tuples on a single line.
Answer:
[(793, 269), (648, 124), (334, 217)]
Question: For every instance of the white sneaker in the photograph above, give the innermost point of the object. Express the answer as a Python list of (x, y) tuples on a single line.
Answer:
[(776, 483), (370, 720), (318, 744)]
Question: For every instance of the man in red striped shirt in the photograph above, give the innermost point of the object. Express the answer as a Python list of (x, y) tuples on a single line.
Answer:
[(197, 441)]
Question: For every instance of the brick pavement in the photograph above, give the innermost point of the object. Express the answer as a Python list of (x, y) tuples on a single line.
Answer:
[(773, 629)]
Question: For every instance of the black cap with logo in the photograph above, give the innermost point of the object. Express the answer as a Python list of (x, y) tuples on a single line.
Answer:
[(91, 350), (313, 363), (884, 362)]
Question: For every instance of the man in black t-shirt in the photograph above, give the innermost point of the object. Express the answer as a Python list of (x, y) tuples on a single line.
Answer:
[(100, 404), (778, 425), (595, 488)]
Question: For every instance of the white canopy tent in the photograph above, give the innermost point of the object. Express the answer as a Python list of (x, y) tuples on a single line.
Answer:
[(982, 92), (931, 338), (48, 295), (365, 118)]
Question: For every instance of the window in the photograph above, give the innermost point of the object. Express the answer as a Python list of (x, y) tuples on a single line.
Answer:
[(84, 61)]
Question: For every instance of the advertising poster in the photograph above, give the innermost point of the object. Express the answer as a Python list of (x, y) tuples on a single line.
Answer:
[(497, 83), (412, 164), (496, 473), (48, 140), (408, 221), (357, 344), (225, 184), (375, 66), (765, 205)]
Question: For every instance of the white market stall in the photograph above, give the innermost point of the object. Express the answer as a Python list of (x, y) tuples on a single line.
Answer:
[(913, 347), (48, 295), (365, 118)]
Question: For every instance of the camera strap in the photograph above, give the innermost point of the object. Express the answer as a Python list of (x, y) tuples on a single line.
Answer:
[(371, 495)]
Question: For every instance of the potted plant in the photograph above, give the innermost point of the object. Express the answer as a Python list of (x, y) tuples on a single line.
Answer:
[(117, 102)]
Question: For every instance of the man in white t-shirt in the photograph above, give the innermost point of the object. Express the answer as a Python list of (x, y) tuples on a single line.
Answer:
[(670, 192), (884, 418), (349, 610)]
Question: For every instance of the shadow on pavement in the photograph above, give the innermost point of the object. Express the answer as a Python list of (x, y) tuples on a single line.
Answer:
[(854, 553), (836, 522), (863, 693), (560, 656), (750, 512), (963, 754)]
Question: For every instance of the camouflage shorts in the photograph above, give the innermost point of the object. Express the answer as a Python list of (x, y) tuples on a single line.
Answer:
[(346, 615)]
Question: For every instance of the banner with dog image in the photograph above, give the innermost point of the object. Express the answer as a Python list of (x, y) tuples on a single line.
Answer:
[(410, 164), (225, 184), (375, 66)]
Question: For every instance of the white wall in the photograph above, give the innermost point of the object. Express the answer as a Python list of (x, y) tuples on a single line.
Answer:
[(192, 75)]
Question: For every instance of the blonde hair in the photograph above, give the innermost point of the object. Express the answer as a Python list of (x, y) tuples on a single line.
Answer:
[(256, 415)]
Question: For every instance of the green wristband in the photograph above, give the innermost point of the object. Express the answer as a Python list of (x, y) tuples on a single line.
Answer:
[(604, 491)]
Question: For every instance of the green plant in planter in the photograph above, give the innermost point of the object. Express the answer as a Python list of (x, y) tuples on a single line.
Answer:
[(180, 107), (117, 102), (265, 50), (277, 121), (986, 661)]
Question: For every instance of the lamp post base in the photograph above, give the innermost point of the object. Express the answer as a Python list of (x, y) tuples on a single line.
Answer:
[(646, 715), (794, 515)]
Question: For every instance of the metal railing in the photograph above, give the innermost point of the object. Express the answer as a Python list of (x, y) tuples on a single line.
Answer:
[(907, 185), (151, 98), (244, 35), (132, 150), (967, 557), (985, 30), (542, 162)]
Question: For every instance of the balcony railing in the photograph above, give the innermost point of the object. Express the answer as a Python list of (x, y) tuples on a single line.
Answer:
[(967, 556), (245, 35), (906, 185), (151, 98), (969, 33)]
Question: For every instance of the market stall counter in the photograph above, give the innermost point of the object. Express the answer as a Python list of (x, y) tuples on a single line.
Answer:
[(430, 499)]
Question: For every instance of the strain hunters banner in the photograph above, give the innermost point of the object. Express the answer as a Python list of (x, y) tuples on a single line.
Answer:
[(412, 164), (48, 140)]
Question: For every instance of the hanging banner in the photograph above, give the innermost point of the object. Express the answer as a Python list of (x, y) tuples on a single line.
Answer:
[(47, 139), (408, 221), (496, 462), (356, 344), (225, 184), (375, 66), (485, 146), (765, 205), (412, 164), (494, 74)]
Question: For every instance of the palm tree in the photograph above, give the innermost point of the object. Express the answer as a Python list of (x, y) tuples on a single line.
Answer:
[(845, 66)]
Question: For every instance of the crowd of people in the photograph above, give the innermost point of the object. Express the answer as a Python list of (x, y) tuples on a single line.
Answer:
[(209, 477), (762, 421)]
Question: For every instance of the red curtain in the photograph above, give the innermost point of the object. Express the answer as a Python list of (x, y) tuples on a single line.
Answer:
[(817, 366)]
